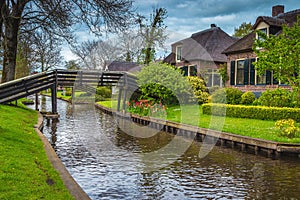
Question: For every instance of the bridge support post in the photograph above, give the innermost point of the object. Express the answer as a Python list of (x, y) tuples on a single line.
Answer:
[(54, 98), (36, 101), (124, 100), (119, 99)]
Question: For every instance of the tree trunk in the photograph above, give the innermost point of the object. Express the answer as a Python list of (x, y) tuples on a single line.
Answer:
[(11, 23)]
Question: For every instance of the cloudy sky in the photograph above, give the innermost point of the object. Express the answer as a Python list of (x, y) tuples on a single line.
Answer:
[(189, 16)]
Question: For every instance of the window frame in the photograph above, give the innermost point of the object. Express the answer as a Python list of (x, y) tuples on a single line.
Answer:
[(178, 53)]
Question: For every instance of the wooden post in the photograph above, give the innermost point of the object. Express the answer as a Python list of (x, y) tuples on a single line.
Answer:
[(36, 101), (54, 98), (119, 99)]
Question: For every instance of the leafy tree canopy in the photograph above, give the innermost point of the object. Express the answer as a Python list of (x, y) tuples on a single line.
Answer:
[(242, 30), (280, 54)]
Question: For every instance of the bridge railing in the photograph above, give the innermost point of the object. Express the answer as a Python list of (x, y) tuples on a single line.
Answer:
[(32, 84)]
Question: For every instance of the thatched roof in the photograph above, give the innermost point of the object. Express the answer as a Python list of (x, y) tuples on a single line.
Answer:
[(245, 44), (123, 66), (205, 45)]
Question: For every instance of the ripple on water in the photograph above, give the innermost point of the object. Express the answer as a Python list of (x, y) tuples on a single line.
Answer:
[(108, 164)]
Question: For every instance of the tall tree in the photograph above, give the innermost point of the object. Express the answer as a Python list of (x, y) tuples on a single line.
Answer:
[(280, 54), (153, 33), (242, 30), (56, 17)]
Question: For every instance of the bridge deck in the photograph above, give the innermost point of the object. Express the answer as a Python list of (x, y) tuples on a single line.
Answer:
[(32, 84)]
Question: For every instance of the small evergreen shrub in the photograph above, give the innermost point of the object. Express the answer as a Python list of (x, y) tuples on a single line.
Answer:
[(252, 112), (276, 98), (247, 98), (287, 128), (227, 96)]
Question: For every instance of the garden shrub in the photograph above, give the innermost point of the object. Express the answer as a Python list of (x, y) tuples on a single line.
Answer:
[(68, 92), (252, 112), (287, 128), (199, 89), (276, 98), (102, 93), (164, 83), (227, 96), (248, 98)]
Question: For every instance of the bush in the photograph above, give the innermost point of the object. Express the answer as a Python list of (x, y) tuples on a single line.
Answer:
[(287, 128), (104, 91), (276, 98), (164, 83), (252, 112), (248, 98), (68, 92), (227, 96), (199, 89)]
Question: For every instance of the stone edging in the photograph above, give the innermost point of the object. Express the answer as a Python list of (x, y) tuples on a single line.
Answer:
[(270, 148), (75, 190)]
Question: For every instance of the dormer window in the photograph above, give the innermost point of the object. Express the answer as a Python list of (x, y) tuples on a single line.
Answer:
[(263, 30), (179, 53)]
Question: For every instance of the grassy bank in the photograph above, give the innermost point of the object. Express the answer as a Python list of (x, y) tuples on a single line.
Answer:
[(247, 127), (25, 171)]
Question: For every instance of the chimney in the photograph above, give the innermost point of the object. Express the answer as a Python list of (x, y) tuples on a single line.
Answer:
[(213, 26), (276, 10)]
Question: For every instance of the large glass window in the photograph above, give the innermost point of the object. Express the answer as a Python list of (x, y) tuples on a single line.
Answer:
[(240, 72)]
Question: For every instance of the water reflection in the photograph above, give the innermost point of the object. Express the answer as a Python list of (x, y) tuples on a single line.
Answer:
[(106, 162)]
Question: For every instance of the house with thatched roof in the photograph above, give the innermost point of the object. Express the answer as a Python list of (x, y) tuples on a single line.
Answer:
[(241, 56), (201, 54), (125, 66)]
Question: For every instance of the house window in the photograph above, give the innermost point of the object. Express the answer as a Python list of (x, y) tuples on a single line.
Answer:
[(213, 78), (261, 79), (178, 53), (263, 30), (240, 78), (242, 72), (189, 70)]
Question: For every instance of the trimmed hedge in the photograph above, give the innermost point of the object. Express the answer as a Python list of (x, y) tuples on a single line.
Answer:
[(252, 112)]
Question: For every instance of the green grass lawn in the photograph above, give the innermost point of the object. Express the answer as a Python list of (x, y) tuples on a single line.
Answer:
[(247, 127), (64, 97), (25, 171)]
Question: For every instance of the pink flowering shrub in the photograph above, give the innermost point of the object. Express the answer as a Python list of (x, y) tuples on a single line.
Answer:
[(147, 108)]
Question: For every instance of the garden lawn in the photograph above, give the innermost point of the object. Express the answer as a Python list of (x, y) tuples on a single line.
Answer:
[(25, 171), (192, 114)]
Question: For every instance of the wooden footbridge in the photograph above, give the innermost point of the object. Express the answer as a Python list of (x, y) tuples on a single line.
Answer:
[(19, 88)]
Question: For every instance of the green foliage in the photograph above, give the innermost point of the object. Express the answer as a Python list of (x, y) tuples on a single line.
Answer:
[(68, 92), (287, 128), (248, 98), (103, 93), (243, 30), (227, 96), (223, 72), (280, 54), (252, 112), (276, 98), (164, 83), (199, 88)]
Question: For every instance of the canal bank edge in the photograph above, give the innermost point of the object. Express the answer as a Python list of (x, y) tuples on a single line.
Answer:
[(258, 146), (75, 190)]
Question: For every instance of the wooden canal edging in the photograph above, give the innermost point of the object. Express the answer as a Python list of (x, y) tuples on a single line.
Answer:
[(256, 146)]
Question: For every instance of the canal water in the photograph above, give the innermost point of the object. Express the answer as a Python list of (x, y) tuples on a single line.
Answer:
[(110, 164)]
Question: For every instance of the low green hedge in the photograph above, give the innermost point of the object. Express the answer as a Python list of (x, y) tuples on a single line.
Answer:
[(251, 112)]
